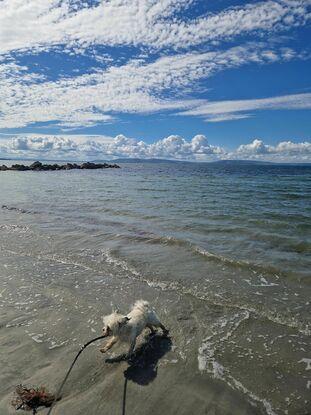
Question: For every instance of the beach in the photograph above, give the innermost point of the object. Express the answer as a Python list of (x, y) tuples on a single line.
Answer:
[(220, 251)]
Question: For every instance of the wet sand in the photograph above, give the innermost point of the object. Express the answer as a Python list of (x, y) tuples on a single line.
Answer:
[(162, 378)]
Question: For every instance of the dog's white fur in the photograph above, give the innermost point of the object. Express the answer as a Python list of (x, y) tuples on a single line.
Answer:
[(128, 328)]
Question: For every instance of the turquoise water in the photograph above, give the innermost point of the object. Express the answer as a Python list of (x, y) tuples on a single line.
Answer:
[(233, 237)]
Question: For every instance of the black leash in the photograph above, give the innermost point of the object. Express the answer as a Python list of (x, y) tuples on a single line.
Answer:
[(69, 370)]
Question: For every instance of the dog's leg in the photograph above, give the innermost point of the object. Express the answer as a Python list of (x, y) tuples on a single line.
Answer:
[(153, 320), (132, 347), (165, 331), (151, 328), (109, 345)]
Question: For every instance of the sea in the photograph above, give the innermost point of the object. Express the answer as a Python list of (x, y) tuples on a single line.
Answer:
[(221, 250)]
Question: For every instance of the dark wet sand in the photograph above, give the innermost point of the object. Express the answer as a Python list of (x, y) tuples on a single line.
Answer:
[(163, 378)]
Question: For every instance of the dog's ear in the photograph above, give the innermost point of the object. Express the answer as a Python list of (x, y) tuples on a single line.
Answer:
[(124, 320), (106, 331)]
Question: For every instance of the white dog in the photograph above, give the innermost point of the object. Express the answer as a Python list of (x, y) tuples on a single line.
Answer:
[(128, 328)]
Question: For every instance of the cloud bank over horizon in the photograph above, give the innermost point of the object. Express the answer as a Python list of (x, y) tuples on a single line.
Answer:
[(173, 147)]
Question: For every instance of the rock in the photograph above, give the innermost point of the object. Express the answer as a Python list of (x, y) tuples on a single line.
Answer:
[(69, 166), (36, 165), (19, 167), (88, 165)]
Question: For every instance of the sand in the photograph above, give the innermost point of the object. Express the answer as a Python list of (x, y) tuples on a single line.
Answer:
[(163, 378)]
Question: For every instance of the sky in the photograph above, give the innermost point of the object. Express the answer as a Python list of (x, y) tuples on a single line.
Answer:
[(197, 80)]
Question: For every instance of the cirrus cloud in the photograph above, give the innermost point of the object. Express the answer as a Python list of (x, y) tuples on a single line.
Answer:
[(69, 65), (238, 109), (135, 87)]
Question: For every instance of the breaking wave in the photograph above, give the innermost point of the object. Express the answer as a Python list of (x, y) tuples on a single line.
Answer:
[(14, 228), (17, 209)]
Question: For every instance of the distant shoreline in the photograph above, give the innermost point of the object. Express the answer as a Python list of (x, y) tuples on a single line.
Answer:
[(159, 161)]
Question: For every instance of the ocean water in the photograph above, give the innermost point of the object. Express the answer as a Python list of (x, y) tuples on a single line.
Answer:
[(232, 240)]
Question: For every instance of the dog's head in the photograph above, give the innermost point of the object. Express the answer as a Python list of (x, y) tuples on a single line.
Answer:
[(113, 323)]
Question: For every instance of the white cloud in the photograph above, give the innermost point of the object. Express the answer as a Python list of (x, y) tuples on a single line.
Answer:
[(84, 118), (135, 87), (138, 86), (172, 147), (283, 151), (71, 147), (231, 110), (43, 144), (135, 22), (257, 147), (225, 117)]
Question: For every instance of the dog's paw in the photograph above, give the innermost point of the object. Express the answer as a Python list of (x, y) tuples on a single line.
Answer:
[(129, 356), (103, 350)]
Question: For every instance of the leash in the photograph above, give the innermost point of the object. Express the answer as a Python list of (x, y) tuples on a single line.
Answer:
[(57, 395)]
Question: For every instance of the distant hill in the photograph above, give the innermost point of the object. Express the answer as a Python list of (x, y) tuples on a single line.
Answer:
[(137, 160), (256, 163), (239, 162), (217, 162)]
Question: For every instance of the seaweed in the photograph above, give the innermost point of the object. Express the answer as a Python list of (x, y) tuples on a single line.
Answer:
[(30, 398)]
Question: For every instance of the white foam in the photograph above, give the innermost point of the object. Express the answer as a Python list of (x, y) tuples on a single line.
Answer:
[(307, 361), (37, 338), (264, 283), (14, 228), (222, 331), (54, 345)]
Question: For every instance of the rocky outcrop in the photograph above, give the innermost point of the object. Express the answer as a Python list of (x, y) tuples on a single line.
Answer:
[(38, 166)]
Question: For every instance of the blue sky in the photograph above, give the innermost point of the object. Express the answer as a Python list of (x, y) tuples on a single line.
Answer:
[(186, 79)]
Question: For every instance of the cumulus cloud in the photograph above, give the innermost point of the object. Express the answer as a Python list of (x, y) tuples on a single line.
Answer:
[(283, 151), (43, 144), (172, 147), (256, 147)]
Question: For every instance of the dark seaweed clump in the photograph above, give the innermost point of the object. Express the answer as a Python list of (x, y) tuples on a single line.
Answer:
[(30, 399)]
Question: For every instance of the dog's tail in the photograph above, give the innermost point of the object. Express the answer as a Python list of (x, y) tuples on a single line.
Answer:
[(142, 305)]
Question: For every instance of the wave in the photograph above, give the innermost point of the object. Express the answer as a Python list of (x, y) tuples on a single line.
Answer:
[(17, 209), (207, 255), (170, 240), (132, 273), (280, 319), (14, 228)]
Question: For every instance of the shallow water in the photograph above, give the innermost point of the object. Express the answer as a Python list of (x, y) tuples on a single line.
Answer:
[(230, 242)]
